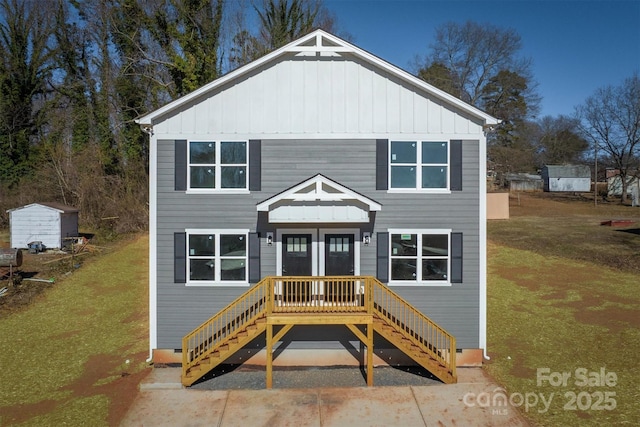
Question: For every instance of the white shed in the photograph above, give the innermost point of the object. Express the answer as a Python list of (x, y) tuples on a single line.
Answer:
[(568, 178), (48, 223)]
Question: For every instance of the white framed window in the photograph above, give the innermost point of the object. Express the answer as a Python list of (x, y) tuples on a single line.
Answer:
[(420, 257), (217, 256), (419, 165), (217, 165)]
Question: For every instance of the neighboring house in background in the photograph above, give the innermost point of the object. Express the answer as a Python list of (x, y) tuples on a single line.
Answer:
[(571, 178), (318, 159), (614, 184), (49, 223)]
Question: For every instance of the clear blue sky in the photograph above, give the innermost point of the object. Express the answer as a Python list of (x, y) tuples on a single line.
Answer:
[(577, 46)]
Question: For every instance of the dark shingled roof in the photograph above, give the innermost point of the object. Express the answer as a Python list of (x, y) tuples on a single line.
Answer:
[(59, 206)]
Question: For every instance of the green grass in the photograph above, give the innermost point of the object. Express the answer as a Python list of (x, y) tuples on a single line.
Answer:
[(562, 314), (61, 357)]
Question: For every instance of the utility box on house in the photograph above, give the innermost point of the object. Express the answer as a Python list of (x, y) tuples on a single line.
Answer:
[(48, 223), (567, 178)]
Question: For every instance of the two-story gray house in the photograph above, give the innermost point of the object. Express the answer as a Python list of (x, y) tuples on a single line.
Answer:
[(317, 160)]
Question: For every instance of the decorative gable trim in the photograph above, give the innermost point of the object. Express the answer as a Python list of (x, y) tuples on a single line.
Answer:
[(318, 188), (319, 199)]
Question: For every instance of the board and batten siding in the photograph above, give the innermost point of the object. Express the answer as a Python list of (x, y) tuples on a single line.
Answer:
[(286, 162), (319, 96)]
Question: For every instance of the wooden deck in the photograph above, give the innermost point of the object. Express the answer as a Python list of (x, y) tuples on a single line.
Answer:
[(276, 304)]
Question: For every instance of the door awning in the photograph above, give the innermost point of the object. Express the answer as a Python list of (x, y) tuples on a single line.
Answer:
[(319, 200)]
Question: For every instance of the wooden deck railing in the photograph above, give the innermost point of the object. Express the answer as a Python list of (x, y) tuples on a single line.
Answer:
[(319, 295), (244, 311), (415, 326), (323, 294)]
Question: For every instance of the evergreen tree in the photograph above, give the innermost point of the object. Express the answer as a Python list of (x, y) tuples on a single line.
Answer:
[(25, 66)]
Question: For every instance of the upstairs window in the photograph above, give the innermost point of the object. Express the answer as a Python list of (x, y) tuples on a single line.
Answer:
[(217, 165), (419, 165)]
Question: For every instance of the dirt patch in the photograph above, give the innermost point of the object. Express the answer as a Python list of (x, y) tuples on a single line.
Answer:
[(120, 390), (589, 310), (18, 414), (546, 278), (518, 369), (616, 319)]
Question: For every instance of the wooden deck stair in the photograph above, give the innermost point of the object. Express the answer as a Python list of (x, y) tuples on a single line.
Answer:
[(417, 352), (222, 351), (371, 304)]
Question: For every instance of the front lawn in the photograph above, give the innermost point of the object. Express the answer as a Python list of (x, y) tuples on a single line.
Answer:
[(75, 356), (564, 313)]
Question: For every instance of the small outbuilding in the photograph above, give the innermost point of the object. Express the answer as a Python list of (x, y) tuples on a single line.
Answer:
[(524, 182), (567, 178), (48, 223)]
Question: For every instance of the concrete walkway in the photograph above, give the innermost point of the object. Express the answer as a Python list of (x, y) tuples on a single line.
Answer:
[(162, 401)]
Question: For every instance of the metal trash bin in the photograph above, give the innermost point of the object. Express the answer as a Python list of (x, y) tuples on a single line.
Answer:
[(10, 258)]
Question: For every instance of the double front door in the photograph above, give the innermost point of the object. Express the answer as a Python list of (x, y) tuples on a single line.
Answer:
[(321, 253), (300, 259)]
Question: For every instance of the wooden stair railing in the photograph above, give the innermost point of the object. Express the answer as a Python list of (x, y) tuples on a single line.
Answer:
[(414, 333), (247, 317), (228, 331)]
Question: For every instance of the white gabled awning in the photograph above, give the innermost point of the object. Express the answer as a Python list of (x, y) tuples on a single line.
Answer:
[(319, 200)]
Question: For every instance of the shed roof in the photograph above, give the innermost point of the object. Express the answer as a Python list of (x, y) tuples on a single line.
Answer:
[(321, 43), (568, 171), (61, 208)]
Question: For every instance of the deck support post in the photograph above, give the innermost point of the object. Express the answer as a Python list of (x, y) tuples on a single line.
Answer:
[(369, 355), (269, 355)]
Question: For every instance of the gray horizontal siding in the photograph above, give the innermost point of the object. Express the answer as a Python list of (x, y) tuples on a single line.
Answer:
[(284, 164)]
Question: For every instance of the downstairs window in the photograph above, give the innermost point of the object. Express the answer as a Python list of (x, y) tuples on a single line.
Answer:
[(420, 256), (217, 256)]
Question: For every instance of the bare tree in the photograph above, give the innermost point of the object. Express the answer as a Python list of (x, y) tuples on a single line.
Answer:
[(610, 121), (465, 57), (280, 22), (559, 141)]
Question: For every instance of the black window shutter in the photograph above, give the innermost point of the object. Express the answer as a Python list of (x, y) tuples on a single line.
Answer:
[(180, 257), (382, 270), (456, 257), (382, 164), (254, 258), (181, 165), (456, 166), (255, 165)]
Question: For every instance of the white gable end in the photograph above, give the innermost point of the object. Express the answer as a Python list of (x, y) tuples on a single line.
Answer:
[(320, 86), (317, 95)]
